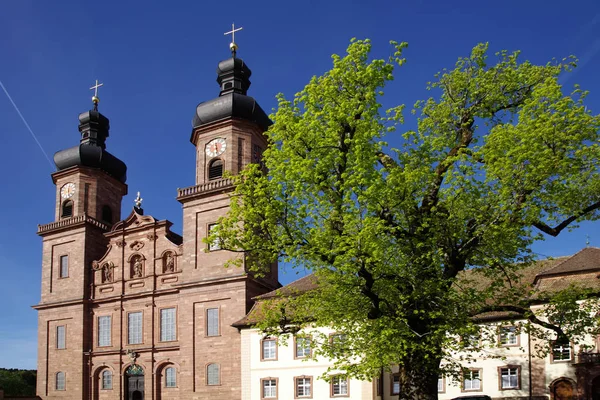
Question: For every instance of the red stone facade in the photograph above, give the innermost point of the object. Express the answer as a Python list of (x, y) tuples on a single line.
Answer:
[(126, 268)]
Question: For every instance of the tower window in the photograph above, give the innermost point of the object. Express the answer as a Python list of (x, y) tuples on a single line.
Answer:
[(106, 214), (67, 209), (215, 169), (227, 85)]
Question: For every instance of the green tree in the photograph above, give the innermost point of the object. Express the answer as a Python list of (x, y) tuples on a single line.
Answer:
[(17, 382), (500, 157)]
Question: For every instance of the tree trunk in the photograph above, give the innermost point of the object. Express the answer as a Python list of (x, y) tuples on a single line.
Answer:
[(419, 375)]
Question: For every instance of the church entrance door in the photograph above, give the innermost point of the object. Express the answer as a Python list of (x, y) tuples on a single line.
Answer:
[(134, 383), (563, 390)]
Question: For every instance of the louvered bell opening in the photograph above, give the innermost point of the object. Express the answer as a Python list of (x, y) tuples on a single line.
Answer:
[(67, 209), (215, 170)]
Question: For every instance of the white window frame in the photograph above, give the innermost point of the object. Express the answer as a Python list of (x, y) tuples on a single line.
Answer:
[(304, 384), (303, 347), (268, 388), (508, 336), (268, 349), (473, 383), (561, 347), (512, 374), (339, 386), (395, 384), (441, 385)]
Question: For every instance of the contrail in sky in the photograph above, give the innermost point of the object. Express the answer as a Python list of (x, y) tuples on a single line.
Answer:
[(27, 125)]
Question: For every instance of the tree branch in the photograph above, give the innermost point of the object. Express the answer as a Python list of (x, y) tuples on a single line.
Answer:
[(558, 228), (526, 314)]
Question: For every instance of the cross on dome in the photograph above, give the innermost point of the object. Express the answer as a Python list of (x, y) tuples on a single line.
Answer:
[(95, 98), (232, 46)]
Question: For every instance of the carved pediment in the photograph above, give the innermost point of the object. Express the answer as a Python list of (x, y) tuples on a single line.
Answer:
[(134, 220)]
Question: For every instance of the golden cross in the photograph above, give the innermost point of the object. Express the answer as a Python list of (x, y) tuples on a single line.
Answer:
[(232, 32), (95, 88)]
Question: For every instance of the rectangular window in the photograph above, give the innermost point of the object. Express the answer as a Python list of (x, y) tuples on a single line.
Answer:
[(303, 388), (303, 349), (472, 380), (212, 322), (509, 378), (561, 351), (395, 384), (441, 385), (339, 386), (214, 245), (64, 267), (60, 337), (269, 388), (508, 336), (168, 331), (269, 349), (338, 342), (104, 330), (471, 341), (134, 327)]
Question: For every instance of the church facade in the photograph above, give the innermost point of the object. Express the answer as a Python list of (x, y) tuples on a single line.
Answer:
[(130, 309)]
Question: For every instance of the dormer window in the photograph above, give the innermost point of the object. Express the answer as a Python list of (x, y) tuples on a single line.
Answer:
[(66, 210), (215, 169)]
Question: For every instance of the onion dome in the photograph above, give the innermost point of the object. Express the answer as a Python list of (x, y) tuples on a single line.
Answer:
[(233, 76), (91, 151)]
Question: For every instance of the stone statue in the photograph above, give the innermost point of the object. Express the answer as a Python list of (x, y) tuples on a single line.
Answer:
[(107, 273), (137, 268), (169, 263)]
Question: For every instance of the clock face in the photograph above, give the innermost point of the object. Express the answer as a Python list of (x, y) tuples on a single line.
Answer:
[(67, 191), (216, 147)]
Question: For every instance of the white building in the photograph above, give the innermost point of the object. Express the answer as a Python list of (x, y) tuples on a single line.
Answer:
[(505, 367)]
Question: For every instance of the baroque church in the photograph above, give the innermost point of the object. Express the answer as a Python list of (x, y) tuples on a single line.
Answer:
[(130, 309)]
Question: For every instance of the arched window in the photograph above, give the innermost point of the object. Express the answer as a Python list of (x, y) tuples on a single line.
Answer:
[(170, 377), (60, 381), (107, 214), (215, 169), (212, 374), (106, 379), (66, 210)]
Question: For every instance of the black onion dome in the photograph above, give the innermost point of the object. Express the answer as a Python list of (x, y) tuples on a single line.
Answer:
[(233, 76), (91, 152)]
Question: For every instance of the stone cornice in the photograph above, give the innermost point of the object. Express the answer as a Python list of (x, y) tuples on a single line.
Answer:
[(220, 185), (68, 223)]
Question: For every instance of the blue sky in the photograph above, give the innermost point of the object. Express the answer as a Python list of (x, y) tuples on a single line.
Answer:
[(157, 61)]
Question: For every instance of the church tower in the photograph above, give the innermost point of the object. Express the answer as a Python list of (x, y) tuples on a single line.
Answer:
[(90, 183), (228, 134)]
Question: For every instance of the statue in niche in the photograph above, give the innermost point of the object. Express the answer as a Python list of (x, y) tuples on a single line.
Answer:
[(169, 263), (107, 273), (137, 269)]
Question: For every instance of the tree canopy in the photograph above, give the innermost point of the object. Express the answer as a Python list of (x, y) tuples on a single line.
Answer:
[(500, 157), (18, 382)]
